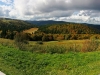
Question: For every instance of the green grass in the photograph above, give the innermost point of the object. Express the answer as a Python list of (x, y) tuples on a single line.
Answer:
[(16, 62)]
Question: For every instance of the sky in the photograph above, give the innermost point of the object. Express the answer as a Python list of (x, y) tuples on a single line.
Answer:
[(80, 11)]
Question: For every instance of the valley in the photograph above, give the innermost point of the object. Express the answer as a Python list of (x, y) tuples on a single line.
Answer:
[(50, 37), (53, 49)]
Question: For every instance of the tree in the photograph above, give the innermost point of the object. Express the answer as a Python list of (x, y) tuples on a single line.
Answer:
[(21, 40), (60, 37), (45, 38), (3, 33)]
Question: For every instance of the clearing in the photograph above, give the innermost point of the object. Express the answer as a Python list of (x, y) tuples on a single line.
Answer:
[(31, 31)]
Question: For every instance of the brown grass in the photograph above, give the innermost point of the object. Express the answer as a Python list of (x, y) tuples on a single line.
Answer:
[(31, 31), (90, 45)]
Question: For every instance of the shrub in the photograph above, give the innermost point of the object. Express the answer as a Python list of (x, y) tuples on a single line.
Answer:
[(45, 38), (21, 41), (90, 45)]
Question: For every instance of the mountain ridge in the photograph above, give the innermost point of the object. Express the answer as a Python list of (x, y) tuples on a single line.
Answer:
[(49, 22)]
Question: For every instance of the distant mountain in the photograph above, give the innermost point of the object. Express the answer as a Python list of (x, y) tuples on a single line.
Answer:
[(48, 22), (94, 26), (7, 19)]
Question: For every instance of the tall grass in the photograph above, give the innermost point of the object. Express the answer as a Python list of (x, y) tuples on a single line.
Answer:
[(85, 46), (54, 46), (52, 49)]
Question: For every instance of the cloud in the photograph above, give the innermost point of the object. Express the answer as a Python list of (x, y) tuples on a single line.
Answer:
[(67, 10), (4, 11), (6, 1)]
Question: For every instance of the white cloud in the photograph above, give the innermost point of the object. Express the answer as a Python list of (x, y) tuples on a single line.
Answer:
[(80, 16), (4, 11)]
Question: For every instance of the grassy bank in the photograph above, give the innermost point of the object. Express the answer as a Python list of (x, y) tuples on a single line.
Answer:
[(16, 62)]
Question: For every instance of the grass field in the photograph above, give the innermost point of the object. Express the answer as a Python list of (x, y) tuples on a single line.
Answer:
[(16, 62), (31, 31)]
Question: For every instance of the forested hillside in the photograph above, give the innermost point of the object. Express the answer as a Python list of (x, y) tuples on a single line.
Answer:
[(14, 25), (70, 28), (9, 27), (65, 31)]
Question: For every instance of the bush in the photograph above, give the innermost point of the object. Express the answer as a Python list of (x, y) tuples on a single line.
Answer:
[(21, 41), (90, 45)]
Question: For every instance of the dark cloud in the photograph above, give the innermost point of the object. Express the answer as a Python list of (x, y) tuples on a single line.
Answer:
[(85, 4), (52, 5)]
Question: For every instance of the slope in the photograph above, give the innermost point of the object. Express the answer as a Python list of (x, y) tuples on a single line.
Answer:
[(14, 25), (9, 27)]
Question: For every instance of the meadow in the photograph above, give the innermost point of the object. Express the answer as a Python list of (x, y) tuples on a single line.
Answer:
[(31, 30), (50, 58)]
